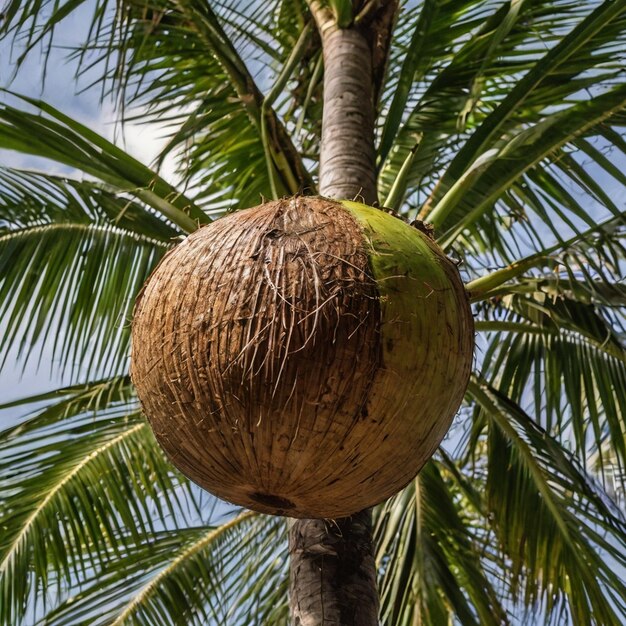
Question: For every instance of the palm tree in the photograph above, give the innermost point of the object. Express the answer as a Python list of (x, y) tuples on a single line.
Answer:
[(497, 122)]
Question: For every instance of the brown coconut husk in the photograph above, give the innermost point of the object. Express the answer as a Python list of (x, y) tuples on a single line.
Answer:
[(256, 345)]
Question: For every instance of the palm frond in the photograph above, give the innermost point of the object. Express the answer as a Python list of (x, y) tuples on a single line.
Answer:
[(553, 522), (591, 253), (58, 404), (433, 557), (75, 475), (55, 136), (476, 192), (523, 80), (175, 63), (592, 40), (202, 25), (568, 352), (242, 561), (420, 48), (554, 332), (73, 256)]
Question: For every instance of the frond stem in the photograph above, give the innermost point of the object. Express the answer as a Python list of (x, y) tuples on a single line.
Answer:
[(396, 193), (481, 288), (37, 229), (208, 28), (272, 157), (519, 327)]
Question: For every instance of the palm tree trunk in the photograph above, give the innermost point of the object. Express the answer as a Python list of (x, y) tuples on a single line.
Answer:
[(333, 573), (347, 169)]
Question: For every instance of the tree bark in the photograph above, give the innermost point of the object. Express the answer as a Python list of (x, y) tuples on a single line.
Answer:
[(333, 572), (347, 168)]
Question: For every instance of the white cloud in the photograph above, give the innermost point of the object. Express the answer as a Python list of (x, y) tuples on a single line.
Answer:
[(145, 142)]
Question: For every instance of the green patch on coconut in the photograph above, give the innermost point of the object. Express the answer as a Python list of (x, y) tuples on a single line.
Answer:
[(426, 334), (304, 357)]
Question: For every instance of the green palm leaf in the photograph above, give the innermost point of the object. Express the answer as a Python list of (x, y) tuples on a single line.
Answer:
[(567, 350), (177, 63), (155, 581), (547, 517), (497, 172), (55, 136), (593, 253), (213, 101), (73, 256), (73, 480), (433, 557), (598, 30), (430, 136)]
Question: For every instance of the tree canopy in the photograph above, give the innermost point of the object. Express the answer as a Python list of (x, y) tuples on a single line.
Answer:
[(501, 123)]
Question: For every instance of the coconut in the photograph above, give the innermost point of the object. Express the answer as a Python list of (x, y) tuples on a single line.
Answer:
[(304, 357)]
